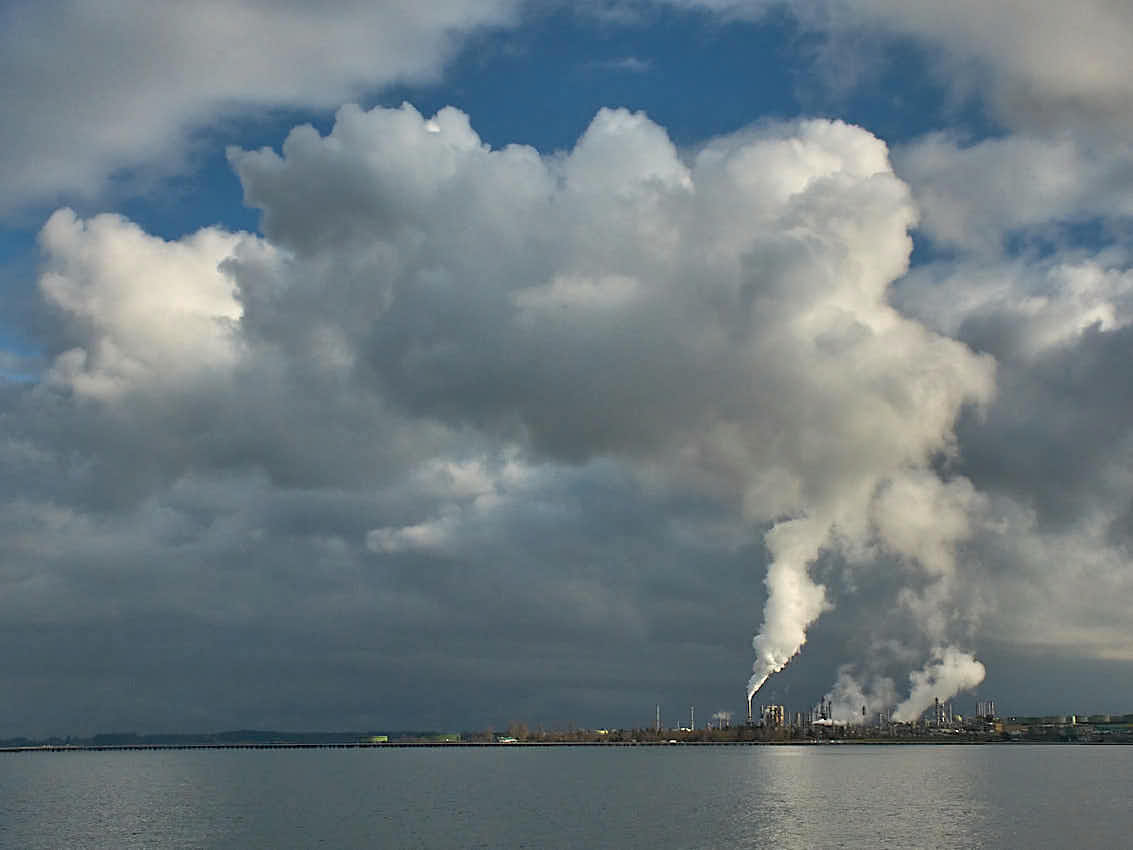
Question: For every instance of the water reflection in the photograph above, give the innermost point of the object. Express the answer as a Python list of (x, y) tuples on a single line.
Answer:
[(836, 796), (106, 800), (658, 797)]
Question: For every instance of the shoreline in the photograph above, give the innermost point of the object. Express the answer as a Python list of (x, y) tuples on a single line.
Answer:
[(65, 748)]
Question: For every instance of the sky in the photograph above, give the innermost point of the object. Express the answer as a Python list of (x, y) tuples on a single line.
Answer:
[(449, 364)]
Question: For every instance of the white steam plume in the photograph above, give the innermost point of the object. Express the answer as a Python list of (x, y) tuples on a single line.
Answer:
[(947, 673), (913, 515), (794, 601), (849, 695), (723, 719)]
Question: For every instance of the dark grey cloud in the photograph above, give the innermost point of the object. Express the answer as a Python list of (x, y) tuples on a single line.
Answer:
[(231, 603), (1052, 451), (1060, 430)]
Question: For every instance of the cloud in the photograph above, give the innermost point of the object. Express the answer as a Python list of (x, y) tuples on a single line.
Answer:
[(428, 321), (127, 85), (1026, 236), (453, 385), (590, 263), (1051, 454), (629, 64), (1040, 65), (1020, 309), (1061, 589), (124, 330), (1047, 64), (974, 197), (720, 324), (461, 410)]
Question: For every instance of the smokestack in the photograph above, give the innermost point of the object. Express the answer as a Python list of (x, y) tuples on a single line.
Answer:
[(749, 698), (658, 726), (692, 717)]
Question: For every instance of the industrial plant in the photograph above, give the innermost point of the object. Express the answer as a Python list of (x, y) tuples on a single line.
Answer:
[(941, 722)]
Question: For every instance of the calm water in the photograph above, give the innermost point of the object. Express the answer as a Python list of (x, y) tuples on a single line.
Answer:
[(654, 797)]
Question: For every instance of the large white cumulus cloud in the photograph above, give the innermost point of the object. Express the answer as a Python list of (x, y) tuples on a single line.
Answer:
[(721, 323), (727, 315)]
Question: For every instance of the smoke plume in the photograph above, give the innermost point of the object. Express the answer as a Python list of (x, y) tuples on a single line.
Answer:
[(948, 672), (794, 601), (849, 696)]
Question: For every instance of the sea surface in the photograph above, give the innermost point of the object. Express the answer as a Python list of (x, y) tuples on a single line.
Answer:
[(1010, 795)]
